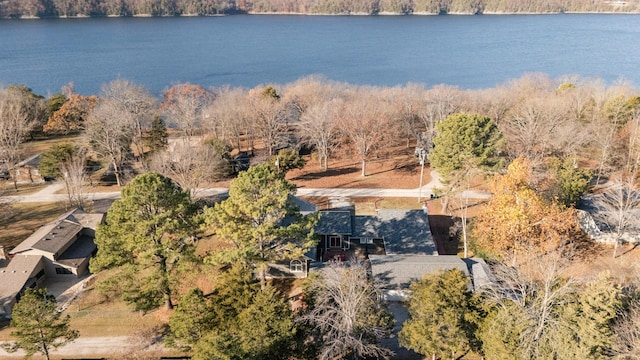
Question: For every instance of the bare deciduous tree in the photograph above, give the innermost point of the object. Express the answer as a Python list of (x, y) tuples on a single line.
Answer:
[(14, 127), (191, 164), (318, 128), (110, 135), (347, 313), (226, 117), (185, 105), (626, 344), (269, 117), (74, 174), (618, 208), (534, 291), (134, 104), (364, 119)]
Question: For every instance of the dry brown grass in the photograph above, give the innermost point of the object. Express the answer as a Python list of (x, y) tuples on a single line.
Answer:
[(396, 169), (38, 146), (7, 188), (95, 314), (25, 218)]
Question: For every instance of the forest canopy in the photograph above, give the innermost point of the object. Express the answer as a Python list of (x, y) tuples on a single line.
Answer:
[(82, 8)]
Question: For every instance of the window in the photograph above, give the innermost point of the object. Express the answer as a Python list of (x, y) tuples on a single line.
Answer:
[(39, 274), (366, 240), (335, 241), (296, 266), (63, 271)]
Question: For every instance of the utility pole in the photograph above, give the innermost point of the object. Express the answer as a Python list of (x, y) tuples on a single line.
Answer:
[(422, 155)]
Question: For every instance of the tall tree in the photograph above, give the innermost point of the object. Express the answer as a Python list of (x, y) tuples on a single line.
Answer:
[(71, 115), (149, 233), (135, 105), (39, 326), (193, 164), (443, 316), (67, 162), (517, 219), (537, 313), (156, 137), (236, 321), (346, 312), (364, 121), (464, 145), (318, 128), (31, 104), (227, 117), (15, 125), (465, 140), (110, 135), (269, 117), (260, 221), (184, 106)]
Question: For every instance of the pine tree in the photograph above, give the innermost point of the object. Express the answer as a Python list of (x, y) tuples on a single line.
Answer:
[(156, 138), (443, 316), (39, 326)]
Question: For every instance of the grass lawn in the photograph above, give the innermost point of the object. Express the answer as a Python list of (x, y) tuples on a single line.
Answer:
[(38, 146), (7, 188), (24, 218)]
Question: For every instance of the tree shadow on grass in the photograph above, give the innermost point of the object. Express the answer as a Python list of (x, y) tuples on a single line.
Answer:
[(328, 173)]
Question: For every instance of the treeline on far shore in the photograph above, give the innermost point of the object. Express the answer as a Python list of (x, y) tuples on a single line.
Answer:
[(85, 8)]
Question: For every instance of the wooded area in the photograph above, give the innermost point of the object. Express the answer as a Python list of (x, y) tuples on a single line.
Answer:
[(81, 8)]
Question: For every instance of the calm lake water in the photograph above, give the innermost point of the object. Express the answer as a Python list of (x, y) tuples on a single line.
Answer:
[(467, 51)]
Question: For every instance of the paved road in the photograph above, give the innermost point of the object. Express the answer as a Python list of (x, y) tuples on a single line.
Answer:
[(48, 194), (82, 347)]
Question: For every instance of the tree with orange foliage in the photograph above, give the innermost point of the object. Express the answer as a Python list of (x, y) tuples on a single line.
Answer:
[(184, 105), (517, 218), (70, 117)]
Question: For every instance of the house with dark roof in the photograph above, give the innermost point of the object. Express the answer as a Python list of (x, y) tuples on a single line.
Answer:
[(397, 272), (398, 244), (344, 234), (62, 247)]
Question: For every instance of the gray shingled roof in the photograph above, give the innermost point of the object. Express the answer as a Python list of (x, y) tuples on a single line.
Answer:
[(76, 253), (56, 235), (398, 271), (334, 222), (404, 231)]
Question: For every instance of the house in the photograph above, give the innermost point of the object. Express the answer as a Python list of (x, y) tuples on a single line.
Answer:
[(27, 170), (344, 234), (398, 244), (58, 249), (397, 272)]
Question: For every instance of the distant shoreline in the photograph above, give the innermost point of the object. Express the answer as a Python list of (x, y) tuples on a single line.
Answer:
[(491, 13)]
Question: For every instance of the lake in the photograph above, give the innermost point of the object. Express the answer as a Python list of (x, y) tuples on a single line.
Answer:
[(248, 50)]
